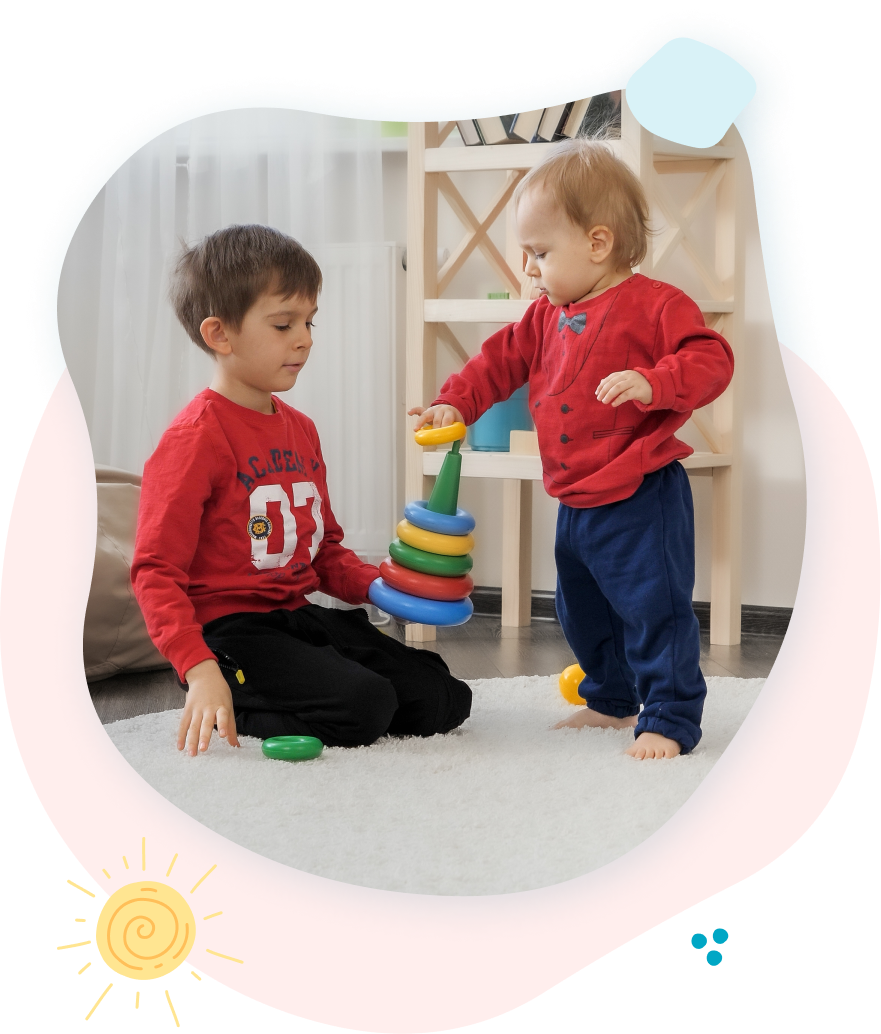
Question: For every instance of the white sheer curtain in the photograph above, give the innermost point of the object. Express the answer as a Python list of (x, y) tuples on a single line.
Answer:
[(315, 177)]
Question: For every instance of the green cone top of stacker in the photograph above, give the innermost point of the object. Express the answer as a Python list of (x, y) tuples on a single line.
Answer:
[(445, 494)]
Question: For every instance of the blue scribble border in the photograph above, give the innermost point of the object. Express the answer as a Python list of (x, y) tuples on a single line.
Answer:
[(762, 124)]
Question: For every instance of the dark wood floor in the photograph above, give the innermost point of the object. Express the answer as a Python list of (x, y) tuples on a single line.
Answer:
[(480, 649)]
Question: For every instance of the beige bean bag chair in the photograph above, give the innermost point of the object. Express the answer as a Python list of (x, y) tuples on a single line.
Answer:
[(114, 636)]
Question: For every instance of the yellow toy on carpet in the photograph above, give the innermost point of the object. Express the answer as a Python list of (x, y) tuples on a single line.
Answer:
[(570, 680)]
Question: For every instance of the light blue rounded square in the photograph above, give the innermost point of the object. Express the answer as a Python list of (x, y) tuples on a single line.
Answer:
[(689, 93)]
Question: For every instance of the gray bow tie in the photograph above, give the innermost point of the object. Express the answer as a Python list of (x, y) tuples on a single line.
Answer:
[(576, 323)]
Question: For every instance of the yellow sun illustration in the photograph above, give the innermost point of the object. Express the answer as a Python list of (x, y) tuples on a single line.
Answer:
[(145, 930)]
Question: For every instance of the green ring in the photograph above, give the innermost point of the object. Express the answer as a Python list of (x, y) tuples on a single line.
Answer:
[(292, 748), (429, 563)]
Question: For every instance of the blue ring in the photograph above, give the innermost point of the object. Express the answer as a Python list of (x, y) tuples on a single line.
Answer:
[(460, 523), (413, 608)]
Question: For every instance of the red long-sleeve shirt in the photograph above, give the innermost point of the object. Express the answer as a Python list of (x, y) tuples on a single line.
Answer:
[(235, 516), (593, 453)]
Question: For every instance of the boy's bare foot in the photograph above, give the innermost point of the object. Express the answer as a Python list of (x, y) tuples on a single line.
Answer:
[(585, 718), (653, 745)]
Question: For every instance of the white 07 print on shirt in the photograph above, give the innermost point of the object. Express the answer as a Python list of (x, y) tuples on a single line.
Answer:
[(302, 491)]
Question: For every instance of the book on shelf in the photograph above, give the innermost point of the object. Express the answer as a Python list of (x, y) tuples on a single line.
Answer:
[(497, 129), (525, 126), (572, 124), (552, 121), (469, 132), (510, 129)]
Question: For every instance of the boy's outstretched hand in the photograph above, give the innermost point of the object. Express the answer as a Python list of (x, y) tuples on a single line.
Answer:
[(209, 701), (436, 416), (624, 386)]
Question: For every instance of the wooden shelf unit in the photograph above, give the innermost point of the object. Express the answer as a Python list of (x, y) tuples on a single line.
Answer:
[(429, 315)]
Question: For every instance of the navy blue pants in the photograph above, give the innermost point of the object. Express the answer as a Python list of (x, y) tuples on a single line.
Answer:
[(625, 577)]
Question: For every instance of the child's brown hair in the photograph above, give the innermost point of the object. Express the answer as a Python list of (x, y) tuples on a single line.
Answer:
[(594, 187), (225, 273)]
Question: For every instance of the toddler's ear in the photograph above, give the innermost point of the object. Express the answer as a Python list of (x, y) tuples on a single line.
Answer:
[(602, 241), (214, 335)]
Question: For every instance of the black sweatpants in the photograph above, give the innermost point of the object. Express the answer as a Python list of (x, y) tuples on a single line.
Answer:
[(331, 674)]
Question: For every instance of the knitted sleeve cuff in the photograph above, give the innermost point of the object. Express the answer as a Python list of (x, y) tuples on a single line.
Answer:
[(187, 651), (663, 389)]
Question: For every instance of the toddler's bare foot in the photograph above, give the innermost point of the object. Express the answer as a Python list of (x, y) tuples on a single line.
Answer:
[(585, 718), (653, 745)]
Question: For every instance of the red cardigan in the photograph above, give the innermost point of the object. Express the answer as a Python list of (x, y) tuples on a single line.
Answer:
[(204, 546), (593, 453)]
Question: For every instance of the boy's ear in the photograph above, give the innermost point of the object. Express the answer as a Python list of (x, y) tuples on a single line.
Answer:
[(214, 335)]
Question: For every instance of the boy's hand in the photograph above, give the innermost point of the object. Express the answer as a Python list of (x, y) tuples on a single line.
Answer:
[(625, 386), (437, 416), (208, 701)]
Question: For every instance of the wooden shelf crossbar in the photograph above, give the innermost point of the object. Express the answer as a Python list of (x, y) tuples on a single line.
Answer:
[(477, 235)]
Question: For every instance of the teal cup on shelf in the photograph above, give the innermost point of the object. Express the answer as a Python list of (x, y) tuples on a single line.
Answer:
[(492, 432)]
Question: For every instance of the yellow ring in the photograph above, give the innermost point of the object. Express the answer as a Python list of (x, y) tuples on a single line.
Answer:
[(432, 542), (440, 435)]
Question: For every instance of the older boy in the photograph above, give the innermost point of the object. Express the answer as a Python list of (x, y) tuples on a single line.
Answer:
[(235, 529), (615, 364)]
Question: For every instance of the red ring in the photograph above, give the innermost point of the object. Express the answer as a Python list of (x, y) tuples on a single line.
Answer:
[(427, 586)]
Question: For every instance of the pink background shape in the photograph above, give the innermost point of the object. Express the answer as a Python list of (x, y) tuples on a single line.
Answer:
[(416, 962)]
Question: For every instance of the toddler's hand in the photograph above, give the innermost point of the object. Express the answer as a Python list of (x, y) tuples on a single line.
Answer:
[(208, 701), (436, 416), (625, 386)]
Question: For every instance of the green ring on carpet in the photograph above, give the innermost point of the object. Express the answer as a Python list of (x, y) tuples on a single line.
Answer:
[(429, 563), (292, 748)]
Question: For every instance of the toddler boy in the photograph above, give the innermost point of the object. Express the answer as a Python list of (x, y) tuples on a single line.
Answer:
[(615, 364), (235, 529)]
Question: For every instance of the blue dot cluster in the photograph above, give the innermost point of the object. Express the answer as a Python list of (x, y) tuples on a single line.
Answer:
[(720, 936)]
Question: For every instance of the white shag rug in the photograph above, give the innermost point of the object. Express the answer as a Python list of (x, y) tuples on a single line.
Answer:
[(502, 804)]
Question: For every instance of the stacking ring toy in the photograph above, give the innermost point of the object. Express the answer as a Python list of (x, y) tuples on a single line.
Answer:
[(425, 579), (292, 748), (458, 523), (570, 680), (429, 586), (429, 563), (415, 608), (440, 435), (431, 542)]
